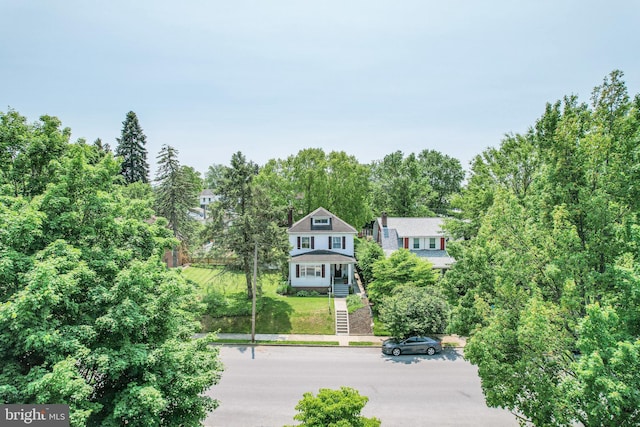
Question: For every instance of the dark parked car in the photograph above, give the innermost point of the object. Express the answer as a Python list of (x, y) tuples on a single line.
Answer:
[(416, 344)]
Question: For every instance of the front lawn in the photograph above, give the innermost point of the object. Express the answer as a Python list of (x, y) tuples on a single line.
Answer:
[(229, 310)]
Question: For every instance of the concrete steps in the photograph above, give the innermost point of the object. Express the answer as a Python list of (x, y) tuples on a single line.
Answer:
[(342, 322), (340, 290)]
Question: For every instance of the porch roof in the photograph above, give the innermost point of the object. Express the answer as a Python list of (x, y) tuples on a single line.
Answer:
[(323, 256)]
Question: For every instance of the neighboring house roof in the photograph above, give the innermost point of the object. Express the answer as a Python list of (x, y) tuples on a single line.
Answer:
[(206, 193), (398, 228), (415, 227), (322, 256), (439, 259), (305, 225)]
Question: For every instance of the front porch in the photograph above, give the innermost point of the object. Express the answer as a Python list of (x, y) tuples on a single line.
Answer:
[(322, 269)]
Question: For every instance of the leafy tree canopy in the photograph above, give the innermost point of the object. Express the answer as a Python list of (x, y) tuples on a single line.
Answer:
[(414, 311), (367, 253), (91, 317), (402, 267), (547, 281), (334, 408), (313, 179)]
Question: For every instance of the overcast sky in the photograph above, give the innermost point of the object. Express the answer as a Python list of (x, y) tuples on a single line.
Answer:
[(269, 78)]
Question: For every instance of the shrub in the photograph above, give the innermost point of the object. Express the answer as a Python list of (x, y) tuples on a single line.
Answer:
[(334, 408), (304, 293), (414, 311), (284, 288), (354, 302)]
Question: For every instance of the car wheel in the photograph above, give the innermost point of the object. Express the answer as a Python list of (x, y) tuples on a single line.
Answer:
[(396, 352), (431, 351)]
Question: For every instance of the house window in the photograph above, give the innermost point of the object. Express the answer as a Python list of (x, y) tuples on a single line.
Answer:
[(416, 243), (305, 242), (336, 243), (432, 243), (320, 221), (312, 270)]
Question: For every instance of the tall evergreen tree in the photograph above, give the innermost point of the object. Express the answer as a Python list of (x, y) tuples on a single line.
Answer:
[(176, 192), (245, 216), (131, 148)]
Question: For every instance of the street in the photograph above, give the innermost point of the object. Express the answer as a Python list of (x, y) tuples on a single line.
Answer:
[(261, 386)]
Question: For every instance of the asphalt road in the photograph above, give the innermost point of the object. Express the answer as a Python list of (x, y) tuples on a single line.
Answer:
[(261, 386)]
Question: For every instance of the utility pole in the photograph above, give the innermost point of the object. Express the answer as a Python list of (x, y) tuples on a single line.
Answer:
[(254, 288)]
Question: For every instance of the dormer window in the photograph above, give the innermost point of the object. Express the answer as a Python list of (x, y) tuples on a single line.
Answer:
[(321, 223)]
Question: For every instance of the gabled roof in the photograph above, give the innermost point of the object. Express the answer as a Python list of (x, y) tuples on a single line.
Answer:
[(415, 227), (305, 225), (206, 192)]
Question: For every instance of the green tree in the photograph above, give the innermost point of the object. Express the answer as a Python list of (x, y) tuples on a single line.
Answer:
[(334, 408), (131, 149), (177, 191), (414, 311), (605, 378), (400, 187), (402, 267), (92, 318), (213, 176), (313, 179), (547, 282), (244, 217), (367, 253), (444, 174), (28, 152)]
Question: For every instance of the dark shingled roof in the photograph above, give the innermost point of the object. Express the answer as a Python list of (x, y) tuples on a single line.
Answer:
[(323, 256), (337, 225)]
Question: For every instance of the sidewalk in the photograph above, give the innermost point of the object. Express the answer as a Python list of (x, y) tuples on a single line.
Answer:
[(343, 340)]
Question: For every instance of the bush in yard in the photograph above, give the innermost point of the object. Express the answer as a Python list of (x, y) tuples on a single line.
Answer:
[(334, 408), (402, 267), (414, 311)]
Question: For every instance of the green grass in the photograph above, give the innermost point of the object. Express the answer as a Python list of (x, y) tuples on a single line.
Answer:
[(361, 343), (378, 328), (277, 314), (354, 302)]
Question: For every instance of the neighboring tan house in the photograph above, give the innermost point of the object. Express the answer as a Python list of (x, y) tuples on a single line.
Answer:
[(321, 257), (422, 236)]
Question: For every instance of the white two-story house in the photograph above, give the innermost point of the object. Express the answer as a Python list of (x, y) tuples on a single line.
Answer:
[(322, 254)]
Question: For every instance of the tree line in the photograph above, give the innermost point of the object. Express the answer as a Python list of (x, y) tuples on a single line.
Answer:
[(545, 232)]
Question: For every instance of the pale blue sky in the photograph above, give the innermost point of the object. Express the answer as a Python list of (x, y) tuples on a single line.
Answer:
[(270, 78)]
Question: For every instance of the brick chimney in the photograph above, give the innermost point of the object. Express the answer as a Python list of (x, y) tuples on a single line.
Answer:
[(290, 216), (384, 219)]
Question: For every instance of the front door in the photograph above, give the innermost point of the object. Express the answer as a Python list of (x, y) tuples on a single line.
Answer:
[(337, 271)]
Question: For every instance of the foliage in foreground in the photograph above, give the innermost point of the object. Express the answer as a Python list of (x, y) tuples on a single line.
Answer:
[(90, 316), (548, 280), (334, 408)]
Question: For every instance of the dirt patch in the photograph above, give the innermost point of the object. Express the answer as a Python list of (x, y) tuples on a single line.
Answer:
[(360, 322)]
